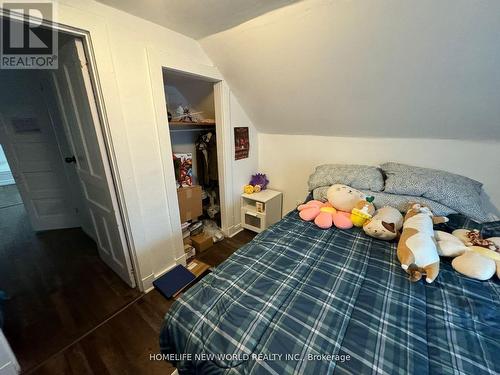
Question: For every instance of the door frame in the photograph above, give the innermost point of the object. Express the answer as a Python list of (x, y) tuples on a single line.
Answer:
[(157, 61), (102, 129)]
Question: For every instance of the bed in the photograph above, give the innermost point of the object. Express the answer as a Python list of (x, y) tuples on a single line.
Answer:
[(301, 300)]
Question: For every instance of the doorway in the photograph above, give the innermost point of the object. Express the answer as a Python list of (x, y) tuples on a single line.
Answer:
[(64, 256)]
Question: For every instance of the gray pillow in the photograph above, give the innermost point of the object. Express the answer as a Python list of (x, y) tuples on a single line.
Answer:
[(398, 201), (460, 193), (356, 176)]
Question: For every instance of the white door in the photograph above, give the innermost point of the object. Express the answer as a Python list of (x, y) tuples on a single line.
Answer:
[(8, 361), (74, 94), (33, 154), (76, 188)]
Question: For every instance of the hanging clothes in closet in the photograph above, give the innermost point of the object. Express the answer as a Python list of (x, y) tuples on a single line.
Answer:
[(206, 156)]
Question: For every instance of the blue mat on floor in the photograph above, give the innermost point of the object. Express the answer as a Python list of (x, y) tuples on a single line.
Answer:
[(173, 281)]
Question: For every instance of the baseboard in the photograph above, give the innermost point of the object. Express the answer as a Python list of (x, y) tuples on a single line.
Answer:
[(238, 230), (147, 283), (232, 230), (181, 259)]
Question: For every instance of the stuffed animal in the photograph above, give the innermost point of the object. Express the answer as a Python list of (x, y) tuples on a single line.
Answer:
[(342, 220), (343, 197), (259, 179), (385, 225), (248, 189), (417, 249), (473, 238), (324, 215), (474, 256), (448, 245), (363, 211), (257, 183)]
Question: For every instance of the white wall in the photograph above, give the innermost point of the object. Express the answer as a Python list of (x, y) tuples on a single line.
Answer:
[(290, 159), (120, 44), (243, 169), (401, 78), (358, 68)]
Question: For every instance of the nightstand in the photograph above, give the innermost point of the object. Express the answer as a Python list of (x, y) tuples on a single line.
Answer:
[(261, 210)]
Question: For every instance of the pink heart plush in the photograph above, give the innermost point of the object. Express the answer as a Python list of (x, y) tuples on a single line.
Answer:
[(324, 220), (309, 213), (342, 220), (312, 203)]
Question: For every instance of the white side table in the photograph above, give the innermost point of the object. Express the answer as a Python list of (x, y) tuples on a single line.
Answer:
[(261, 210)]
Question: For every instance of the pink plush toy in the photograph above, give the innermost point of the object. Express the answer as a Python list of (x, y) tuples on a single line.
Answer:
[(324, 215)]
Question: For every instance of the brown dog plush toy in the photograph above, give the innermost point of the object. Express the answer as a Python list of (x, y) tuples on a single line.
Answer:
[(417, 249)]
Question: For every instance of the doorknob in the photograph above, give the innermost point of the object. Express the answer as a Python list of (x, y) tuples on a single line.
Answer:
[(70, 159)]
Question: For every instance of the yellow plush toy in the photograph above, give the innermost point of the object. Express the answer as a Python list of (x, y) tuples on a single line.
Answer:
[(248, 189), (363, 211)]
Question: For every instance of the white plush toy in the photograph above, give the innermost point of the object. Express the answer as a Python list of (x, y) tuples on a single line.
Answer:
[(473, 256), (385, 224), (343, 197)]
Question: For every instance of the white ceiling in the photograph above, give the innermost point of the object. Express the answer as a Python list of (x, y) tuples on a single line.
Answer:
[(197, 18), (385, 68)]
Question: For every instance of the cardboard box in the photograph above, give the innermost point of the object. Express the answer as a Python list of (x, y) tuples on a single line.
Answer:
[(190, 205), (202, 242), (197, 267)]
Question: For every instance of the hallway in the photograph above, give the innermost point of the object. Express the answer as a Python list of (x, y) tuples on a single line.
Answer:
[(58, 286)]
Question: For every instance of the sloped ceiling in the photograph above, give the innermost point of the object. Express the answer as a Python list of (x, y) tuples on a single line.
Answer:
[(197, 18), (385, 68)]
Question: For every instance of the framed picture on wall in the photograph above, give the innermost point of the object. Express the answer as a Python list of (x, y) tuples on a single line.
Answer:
[(241, 143)]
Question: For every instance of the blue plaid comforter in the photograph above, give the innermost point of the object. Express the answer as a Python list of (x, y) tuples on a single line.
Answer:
[(300, 300)]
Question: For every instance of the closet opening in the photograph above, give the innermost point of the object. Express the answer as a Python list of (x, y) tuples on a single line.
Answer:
[(193, 136)]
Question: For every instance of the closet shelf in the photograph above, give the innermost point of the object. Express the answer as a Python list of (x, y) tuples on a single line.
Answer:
[(177, 126)]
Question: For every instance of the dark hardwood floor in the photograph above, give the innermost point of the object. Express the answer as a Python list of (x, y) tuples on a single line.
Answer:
[(220, 251), (123, 344), (58, 286), (9, 196)]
